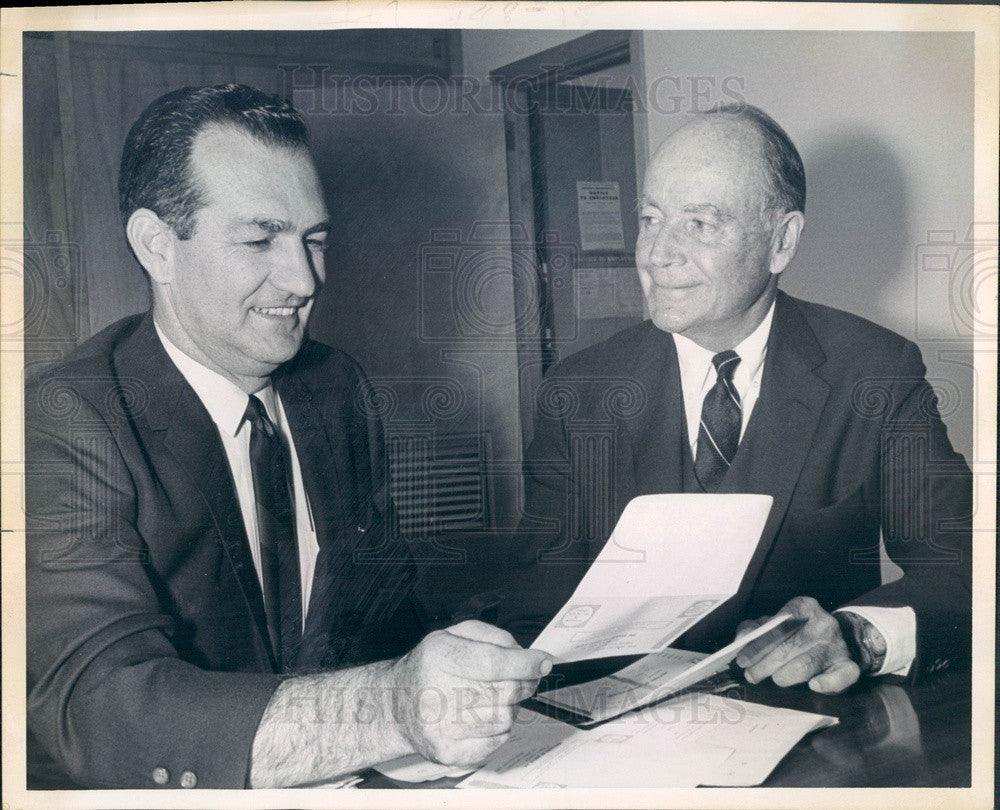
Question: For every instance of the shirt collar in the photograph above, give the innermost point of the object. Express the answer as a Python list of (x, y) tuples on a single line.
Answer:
[(225, 401), (696, 361)]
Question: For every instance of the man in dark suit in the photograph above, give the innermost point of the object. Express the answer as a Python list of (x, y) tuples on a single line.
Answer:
[(734, 386), (217, 595)]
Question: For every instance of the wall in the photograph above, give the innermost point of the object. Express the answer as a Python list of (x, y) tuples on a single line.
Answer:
[(84, 89), (884, 125), (485, 50), (419, 277)]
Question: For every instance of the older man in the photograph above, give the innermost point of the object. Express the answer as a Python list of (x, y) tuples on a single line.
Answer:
[(734, 386), (216, 595)]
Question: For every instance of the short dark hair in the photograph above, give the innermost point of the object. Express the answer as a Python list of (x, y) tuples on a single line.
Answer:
[(156, 160), (783, 167)]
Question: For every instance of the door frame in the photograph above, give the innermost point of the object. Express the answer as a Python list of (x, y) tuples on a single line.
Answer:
[(518, 82)]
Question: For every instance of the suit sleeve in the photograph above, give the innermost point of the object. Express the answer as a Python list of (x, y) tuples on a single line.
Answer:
[(109, 698), (926, 506)]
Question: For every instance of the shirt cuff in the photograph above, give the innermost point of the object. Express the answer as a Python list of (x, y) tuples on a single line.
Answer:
[(898, 626)]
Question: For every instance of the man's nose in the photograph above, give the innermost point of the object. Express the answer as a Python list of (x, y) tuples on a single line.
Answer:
[(295, 273), (666, 246)]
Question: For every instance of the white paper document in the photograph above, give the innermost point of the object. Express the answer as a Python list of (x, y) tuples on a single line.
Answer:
[(693, 740), (414, 768), (343, 783), (670, 561), (653, 678)]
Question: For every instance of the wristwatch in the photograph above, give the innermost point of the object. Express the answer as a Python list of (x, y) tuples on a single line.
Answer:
[(864, 642)]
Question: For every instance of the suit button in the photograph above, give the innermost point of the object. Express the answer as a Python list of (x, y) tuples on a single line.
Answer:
[(188, 779), (161, 776)]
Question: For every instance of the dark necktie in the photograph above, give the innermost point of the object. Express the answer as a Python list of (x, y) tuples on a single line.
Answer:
[(279, 553), (719, 431)]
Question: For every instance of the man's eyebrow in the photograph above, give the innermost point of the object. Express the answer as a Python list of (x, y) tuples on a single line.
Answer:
[(280, 225), (264, 223), (320, 227), (706, 209)]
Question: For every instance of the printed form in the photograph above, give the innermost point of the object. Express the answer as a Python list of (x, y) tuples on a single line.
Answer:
[(692, 740), (670, 561), (655, 677)]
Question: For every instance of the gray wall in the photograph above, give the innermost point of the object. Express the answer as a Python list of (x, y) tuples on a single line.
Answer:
[(486, 50), (419, 281)]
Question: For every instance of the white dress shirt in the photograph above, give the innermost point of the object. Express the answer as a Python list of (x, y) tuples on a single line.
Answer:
[(226, 403), (897, 625)]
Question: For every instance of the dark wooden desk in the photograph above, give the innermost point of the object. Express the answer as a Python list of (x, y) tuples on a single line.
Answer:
[(890, 735)]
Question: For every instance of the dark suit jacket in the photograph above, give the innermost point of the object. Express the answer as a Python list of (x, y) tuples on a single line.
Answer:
[(146, 637), (845, 436)]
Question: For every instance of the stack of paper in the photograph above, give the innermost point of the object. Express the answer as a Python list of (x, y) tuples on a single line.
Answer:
[(671, 560), (689, 741), (650, 679), (414, 768)]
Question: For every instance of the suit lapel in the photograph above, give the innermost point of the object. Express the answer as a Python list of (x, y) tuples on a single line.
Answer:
[(319, 473), (326, 486), (659, 435), (186, 430), (781, 428)]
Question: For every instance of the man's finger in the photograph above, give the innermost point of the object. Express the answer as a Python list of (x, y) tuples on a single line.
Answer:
[(801, 644), (509, 693), (472, 751), (483, 661), (494, 693), (749, 624), (809, 662), (837, 678), (484, 721), (481, 631), (770, 643)]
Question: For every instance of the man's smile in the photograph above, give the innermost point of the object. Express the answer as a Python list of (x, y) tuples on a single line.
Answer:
[(677, 290), (277, 312)]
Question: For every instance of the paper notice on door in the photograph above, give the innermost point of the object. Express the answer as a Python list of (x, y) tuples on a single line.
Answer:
[(599, 211), (608, 292), (670, 561)]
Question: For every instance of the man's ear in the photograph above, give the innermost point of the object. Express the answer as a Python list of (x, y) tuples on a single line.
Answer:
[(152, 241), (785, 240)]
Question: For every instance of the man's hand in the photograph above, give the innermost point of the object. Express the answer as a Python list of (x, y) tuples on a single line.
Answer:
[(450, 699), (815, 652), (455, 691)]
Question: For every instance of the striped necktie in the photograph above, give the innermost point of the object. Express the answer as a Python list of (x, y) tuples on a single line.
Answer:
[(719, 431)]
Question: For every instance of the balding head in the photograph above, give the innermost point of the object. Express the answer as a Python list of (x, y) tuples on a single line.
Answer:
[(721, 216), (750, 136)]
